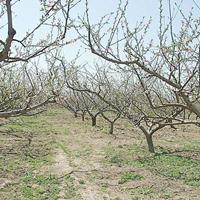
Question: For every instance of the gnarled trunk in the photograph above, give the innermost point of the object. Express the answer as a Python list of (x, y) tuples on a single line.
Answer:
[(75, 114), (111, 128), (83, 116), (149, 139), (150, 143), (94, 120)]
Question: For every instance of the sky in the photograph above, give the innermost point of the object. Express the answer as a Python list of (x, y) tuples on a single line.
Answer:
[(27, 13)]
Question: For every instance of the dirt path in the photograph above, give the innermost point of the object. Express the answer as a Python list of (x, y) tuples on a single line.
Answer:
[(61, 168), (61, 165), (82, 170), (79, 170), (81, 154)]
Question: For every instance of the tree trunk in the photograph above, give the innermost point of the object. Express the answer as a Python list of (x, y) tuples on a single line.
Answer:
[(111, 128), (94, 121), (150, 143), (148, 139), (83, 116), (75, 114)]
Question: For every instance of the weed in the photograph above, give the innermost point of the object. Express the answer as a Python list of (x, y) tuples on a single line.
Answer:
[(116, 159), (130, 176)]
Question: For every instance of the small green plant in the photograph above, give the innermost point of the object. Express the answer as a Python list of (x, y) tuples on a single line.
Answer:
[(136, 198), (82, 182), (116, 160), (130, 176)]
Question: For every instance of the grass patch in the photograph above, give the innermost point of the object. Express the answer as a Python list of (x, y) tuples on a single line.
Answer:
[(85, 152), (130, 176), (144, 191), (40, 187), (121, 155), (175, 167), (26, 145), (70, 189), (37, 125), (193, 146)]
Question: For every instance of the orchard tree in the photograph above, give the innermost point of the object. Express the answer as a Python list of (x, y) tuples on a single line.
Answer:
[(24, 87), (167, 68), (82, 82), (25, 90), (71, 100), (103, 92), (48, 34)]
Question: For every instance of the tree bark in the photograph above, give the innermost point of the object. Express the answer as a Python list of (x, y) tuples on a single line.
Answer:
[(94, 121), (75, 114), (111, 128), (149, 139), (150, 143), (83, 117)]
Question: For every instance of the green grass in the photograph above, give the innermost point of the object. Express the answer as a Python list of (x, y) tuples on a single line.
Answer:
[(30, 124), (194, 146), (20, 160), (33, 157), (40, 187), (173, 166), (130, 176), (122, 154), (70, 189), (145, 191), (142, 193), (25, 182)]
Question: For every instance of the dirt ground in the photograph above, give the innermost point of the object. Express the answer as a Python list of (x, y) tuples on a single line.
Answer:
[(84, 160)]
